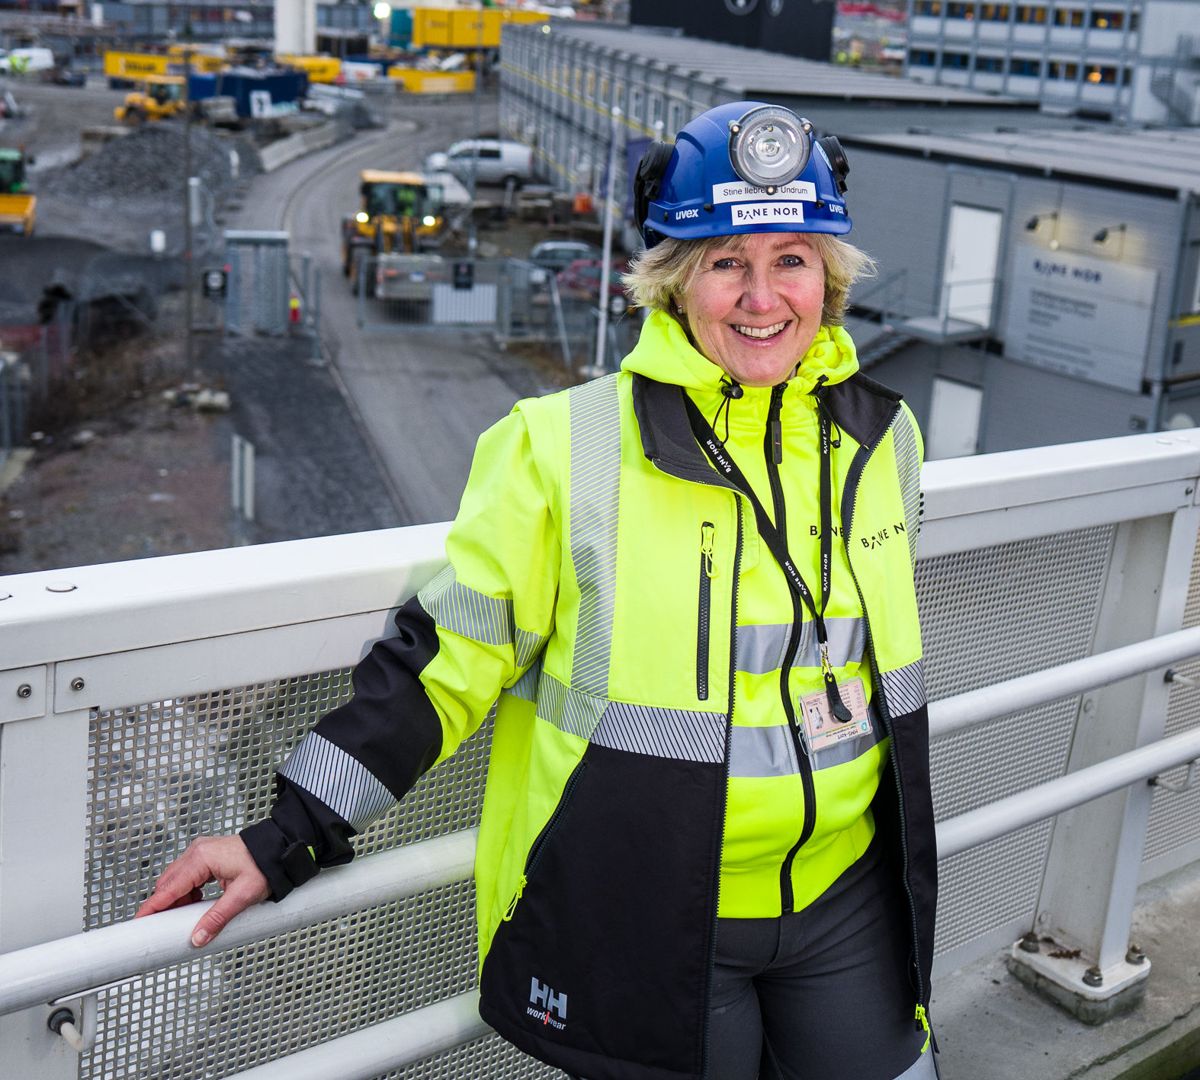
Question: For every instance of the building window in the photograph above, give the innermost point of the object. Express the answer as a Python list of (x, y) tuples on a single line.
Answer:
[(1066, 70), (1068, 17), (989, 63), (921, 57), (1031, 67), (995, 12), (1031, 14), (1135, 19), (956, 60), (1102, 75), (1126, 76), (927, 7), (1108, 19), (956, 9)]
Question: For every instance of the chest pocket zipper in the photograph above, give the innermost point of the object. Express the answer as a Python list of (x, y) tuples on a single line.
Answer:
[(708, 533)]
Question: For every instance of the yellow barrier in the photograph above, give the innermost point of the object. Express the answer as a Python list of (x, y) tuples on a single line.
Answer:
[(469, 28), (416, 81), (131, 65), (319, 69)]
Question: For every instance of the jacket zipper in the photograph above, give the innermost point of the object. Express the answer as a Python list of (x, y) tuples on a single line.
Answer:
[(720, 840), (708, 533), (773, 451), (543, 838), (885, 712)]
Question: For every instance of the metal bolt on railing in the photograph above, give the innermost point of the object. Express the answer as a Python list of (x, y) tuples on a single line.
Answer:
[(1093, 977), (77, 683), (24, 690), (1173, 676), (1134, 955), (1029, 943)]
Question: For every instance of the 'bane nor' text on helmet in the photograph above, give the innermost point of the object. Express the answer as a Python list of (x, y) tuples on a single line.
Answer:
[(742, 167)]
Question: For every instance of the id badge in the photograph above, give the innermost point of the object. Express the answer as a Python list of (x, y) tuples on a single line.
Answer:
[(822, 730)]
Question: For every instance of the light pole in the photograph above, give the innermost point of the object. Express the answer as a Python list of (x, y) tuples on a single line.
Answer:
[(606, 257), (187, 210)]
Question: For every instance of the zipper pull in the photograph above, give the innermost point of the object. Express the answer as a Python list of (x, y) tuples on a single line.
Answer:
[(836, 705), (922, 1020), (708, 534), (775, 426), (512, 908)]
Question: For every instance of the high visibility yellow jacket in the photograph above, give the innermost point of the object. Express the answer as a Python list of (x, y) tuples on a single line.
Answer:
[(646, 775)]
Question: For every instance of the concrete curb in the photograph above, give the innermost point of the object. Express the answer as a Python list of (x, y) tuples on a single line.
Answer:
[(294, 146)]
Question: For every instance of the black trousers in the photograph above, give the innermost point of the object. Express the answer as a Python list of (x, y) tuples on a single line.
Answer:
[(822, 994)]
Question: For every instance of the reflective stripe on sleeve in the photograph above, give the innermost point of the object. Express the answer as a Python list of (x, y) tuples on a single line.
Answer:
[(904, 688), (343, 784), (471, 614)]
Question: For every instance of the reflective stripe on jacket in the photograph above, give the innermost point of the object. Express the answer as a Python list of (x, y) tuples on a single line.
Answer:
[(574, 583)]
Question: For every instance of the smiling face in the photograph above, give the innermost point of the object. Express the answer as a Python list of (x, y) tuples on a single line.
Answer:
[(753, 306)]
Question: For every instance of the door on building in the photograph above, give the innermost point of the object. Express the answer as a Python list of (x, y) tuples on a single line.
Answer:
[(969, 270), (954, 414)]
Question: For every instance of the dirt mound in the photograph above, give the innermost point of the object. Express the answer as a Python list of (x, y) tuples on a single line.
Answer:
[(150, 162)]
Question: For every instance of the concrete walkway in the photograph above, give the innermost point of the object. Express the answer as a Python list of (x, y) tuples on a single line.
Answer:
[(990, 1027)]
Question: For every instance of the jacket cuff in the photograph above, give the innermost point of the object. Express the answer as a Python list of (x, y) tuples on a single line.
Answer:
[(284, 864)]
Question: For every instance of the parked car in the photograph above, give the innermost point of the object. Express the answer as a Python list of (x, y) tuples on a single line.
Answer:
[(495, 161), (556, 255), (581, 280)]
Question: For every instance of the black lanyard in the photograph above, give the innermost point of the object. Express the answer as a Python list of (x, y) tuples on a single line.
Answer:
[(776, 541)]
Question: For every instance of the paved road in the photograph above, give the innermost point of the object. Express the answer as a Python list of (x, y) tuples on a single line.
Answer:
[(423, 395)]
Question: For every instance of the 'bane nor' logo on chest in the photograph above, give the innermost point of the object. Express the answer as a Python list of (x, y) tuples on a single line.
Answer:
[(881, 536)]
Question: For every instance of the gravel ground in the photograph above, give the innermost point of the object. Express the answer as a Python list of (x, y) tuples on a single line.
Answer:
[(154, 478)]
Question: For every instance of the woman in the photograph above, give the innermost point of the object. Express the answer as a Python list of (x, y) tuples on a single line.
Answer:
[(707, 842)]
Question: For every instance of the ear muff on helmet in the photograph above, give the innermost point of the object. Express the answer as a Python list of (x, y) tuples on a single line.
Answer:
[(836, 156), (646, 184)]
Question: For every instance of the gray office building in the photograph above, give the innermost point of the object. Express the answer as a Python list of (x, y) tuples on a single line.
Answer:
[(1127, 60)]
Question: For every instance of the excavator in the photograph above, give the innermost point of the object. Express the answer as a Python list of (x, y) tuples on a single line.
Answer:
[(157, 97), (18, 206), (399, 213)]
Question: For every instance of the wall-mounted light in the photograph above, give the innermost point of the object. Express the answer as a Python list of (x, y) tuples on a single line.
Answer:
[(1101, 235), (1035, 222)]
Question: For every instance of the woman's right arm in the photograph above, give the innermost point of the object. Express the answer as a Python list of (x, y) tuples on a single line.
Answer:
[(470, 632)]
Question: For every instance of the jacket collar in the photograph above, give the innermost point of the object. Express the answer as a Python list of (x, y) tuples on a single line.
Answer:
[(665, 366)]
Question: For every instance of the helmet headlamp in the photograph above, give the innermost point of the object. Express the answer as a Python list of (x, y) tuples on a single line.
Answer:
[(769, 146)]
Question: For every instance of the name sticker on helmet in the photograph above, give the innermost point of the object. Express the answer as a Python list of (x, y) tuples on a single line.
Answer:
[(797, 189), (766, 213)]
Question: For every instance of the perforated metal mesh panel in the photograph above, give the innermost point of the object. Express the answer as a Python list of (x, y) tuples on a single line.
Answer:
[(989, 615), (1175, 818), (164, 772)]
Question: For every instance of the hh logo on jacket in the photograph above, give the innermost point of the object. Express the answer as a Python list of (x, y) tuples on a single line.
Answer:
[(550, 1002)]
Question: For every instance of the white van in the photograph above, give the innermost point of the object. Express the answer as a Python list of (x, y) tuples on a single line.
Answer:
[(496, 161), (19, 61)]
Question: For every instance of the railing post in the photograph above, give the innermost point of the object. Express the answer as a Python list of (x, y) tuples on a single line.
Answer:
[(43, 808), (1094, 863)]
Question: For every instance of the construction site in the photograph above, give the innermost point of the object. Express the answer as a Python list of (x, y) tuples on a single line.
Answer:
[(311, 230)]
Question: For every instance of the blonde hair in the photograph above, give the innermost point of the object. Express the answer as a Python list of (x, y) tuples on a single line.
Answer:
[(661, 274)]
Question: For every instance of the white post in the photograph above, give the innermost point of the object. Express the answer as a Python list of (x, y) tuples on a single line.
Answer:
[(1094, 862), (43, 809), (606, 260)]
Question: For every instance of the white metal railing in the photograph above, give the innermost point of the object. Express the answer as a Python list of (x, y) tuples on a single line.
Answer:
[(91, 637)]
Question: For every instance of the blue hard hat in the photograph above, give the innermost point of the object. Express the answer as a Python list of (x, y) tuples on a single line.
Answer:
[(742, 167)]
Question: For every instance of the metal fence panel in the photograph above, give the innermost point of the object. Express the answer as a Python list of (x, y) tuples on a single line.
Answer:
[(1173, 834), (981, 623), (163, 772)]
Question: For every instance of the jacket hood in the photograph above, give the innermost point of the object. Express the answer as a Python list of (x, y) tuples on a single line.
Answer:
[(664, 353)]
